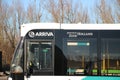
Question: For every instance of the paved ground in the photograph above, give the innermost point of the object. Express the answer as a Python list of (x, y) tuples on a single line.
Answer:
[(3, 77)]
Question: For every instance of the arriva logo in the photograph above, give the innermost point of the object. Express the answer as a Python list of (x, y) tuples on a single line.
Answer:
[(40, 34)]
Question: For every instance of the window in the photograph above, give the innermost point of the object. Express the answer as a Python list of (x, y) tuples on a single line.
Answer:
[(39, 55), (17, 63), (110, 57), (81, 56)]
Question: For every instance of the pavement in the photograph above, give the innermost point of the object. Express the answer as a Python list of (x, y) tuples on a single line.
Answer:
[(3, 77)]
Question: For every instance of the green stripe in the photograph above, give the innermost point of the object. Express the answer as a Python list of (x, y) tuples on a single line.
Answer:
[(95, 71), (108, 71)]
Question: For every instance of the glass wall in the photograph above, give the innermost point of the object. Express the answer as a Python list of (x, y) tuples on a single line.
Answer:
[(81, 56), (110, 63)]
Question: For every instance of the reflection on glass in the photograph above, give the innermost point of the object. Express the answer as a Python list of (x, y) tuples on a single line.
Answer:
[(40, 55), (17, 63), (110, 57), (80, 54)]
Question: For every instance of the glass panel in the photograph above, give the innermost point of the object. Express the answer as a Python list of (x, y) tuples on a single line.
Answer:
[(110, 57), (17, 63), (46, 55), (33, 54), (81, 56), (40, 54)]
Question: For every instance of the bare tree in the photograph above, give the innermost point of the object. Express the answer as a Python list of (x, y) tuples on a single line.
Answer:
[(64, 11), (53, 8), (105, 12), (9, 31), (20, 13), (72, 12), (118, 2), (11, 17), (75, 13), (118, 11), (34, 13)]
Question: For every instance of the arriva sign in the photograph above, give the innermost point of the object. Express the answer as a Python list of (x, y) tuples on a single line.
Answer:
[(40, 34)]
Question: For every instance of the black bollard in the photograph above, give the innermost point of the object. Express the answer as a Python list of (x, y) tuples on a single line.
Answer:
[(0, 61)]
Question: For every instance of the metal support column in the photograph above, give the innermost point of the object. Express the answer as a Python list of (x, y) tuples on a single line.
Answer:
[(99, 54)]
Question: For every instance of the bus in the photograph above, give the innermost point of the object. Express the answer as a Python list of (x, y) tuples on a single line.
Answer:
[(54, 51)]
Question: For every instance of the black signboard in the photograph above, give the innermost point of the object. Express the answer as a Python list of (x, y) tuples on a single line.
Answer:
[(40, 34)]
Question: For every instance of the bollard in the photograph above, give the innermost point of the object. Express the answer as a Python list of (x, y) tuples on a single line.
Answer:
[(0, 61)]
